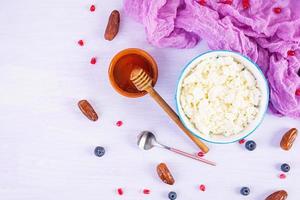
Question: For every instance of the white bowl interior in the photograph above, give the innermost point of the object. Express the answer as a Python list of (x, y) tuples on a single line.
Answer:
[(262, 83)]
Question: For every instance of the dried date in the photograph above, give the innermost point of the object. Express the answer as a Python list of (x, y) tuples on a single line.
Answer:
[(165, 174), (112, 27), (87, 109), (288, 139)]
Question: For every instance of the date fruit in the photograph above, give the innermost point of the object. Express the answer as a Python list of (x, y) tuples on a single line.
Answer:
[(87, 110), (288, 139), (279, 195), (112, 27), (165, 174)]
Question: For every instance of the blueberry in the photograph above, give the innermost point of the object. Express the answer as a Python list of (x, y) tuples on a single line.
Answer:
[(172, 195), (245, 191), (285, 167), (250, 145), (99, 151)]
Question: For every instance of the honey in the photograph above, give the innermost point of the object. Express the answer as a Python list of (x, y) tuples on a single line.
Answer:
[(123, 64), (124, 67)]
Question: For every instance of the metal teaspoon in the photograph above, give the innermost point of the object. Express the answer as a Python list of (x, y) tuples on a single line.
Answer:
[(147, 140)]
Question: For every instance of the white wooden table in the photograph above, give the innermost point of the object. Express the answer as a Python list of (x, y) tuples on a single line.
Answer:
[(46, 144)]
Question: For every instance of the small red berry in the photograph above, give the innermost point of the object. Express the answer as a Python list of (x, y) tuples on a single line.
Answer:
[(200, 154), (277, 10), (229, 2), (92, 8), (93, 60), (297, 92), (146, 191), (291, 53), (80, 42), (120, 191), (119, 123), (282, 176), (202, 187), (246, 4), (242, 141), (202, 2)]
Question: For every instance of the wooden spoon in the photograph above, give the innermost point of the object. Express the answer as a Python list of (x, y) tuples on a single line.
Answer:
[(143, 82)]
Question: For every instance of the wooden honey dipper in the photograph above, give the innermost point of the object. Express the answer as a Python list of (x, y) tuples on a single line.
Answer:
[(143, 82)]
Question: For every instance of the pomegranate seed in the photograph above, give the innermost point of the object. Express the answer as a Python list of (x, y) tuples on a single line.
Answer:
[(282, 176), (246, 4), (119, 123), (93, 60), (120, 191), (92, 8), (242, 141), (202, 187), (80, 42), (277, 10), (146, 191), (298, 92), (200, 154), (291, 53), (202, 2), (229, 2)]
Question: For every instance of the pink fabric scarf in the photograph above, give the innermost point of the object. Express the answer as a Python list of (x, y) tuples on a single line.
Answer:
[(268, 31)]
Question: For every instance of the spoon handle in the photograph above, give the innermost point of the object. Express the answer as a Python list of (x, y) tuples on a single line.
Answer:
[(172, 114), (191, 156)]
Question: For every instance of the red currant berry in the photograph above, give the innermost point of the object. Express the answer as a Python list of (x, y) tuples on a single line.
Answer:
[(80, 42), (202, 187), (246, 4), (229, 2), (146, 191), (93, 60), (120, 191), (291, 53), (242, 141), (92, 8), (119, 123), (202, 2), (282, 176), (277, 10), (200, 154), (297, 92)]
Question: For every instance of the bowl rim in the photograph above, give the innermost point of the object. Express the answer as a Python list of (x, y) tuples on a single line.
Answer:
[(265, 104)]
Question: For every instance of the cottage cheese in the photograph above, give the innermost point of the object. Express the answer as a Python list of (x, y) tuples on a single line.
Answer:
[(220, 96)]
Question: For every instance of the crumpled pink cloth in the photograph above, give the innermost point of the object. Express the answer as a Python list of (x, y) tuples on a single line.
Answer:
[(257, 32)]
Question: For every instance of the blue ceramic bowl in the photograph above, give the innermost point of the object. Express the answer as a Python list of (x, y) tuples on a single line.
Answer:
[(261, 81)]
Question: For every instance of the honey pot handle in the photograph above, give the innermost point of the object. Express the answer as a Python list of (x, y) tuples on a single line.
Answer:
[(173, 115)]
